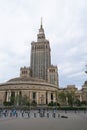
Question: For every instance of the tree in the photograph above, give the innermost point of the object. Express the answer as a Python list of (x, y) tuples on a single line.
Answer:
[(7, 103), (84, 103), (77, 102), (33, 103), (25, 101), (71, 98), (62, 98)]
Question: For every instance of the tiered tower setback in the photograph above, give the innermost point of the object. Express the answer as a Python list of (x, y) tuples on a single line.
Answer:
[(40, 56), (39, 82)]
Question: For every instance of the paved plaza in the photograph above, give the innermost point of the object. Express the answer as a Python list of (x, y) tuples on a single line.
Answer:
[(60, 121)]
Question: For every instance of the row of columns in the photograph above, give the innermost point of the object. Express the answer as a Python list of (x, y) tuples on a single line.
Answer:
[(42, 97)]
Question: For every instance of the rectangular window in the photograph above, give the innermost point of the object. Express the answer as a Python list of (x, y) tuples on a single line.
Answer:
[(52, 79), (34, 95), (51, 96)]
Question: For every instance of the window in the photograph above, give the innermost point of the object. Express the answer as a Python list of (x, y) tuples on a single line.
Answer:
[(51, 96), (52, 79), (34, 95), (24, 72)]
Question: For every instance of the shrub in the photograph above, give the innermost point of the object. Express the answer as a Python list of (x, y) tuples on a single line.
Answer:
[(7, 104), (53, 104)]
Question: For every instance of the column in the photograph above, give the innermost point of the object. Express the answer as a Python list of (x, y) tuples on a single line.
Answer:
[(80, 98), (17, 97), (30, 97), (49, 97), (37, 97), (46, 97), (54, 97), (8, 96)]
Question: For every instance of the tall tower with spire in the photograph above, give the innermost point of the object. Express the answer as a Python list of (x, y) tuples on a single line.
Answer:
[(40, 56)]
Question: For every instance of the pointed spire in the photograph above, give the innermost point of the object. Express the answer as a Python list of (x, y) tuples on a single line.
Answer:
[(41, 35), (41, 30), (41, 23)]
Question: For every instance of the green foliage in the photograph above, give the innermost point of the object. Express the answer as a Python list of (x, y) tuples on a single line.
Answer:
[(71, 98), (77, 102), (84, 103), (67, 98), (56, 104), (7, 103), (34, 103), (53, 104), (25, 101), (72, 108), (62, 97)]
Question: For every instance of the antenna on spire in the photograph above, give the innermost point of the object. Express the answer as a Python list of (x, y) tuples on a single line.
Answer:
[(41, 23)]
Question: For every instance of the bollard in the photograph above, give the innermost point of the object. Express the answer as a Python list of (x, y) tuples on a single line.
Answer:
[(65, 111), (35, 115), (16, 114), (54, 115), (40, 114), (28, 114), (84, 111), (10, 114), (5, 114), (58, 115), (75, 111), (39, 111), (43, 113), (22, 114), (47, 115), (0, 115)]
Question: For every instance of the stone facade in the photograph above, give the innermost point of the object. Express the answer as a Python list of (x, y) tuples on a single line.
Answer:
[(43, 91), (34, 81), (40, 56), (53, 75), (84, 91), (39, 82)]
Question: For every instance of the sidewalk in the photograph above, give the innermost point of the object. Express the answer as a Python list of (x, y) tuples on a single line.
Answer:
[(73, 122)]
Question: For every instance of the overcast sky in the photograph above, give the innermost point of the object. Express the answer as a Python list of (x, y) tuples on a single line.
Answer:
[(65, 25)]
